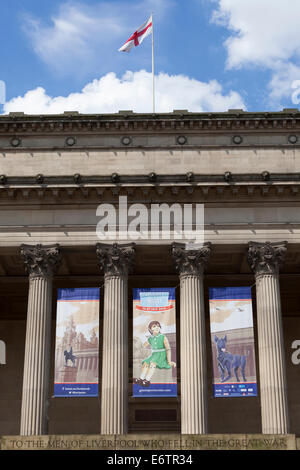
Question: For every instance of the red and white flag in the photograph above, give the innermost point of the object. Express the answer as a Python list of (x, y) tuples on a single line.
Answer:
[(138, 36)]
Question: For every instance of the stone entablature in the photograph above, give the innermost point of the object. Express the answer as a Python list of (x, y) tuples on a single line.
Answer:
[(127, 130), (73, 149), (148, 166)]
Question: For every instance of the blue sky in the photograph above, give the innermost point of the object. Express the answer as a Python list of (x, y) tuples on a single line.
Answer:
[(210, 55)]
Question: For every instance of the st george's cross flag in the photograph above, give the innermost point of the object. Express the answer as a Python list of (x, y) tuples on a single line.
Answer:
[(138, 36)]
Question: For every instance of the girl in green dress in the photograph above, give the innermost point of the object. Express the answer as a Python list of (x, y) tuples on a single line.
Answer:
[(160, 356)]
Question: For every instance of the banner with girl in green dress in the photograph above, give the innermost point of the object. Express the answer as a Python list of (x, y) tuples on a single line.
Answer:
[(154, 343)]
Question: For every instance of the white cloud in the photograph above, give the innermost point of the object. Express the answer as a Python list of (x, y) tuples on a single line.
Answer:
[(263, 33), (133, 90), (79, 38), (285, 84)]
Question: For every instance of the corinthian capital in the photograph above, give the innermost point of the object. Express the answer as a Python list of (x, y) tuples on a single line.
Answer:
[(40, 260), (266, 258), (115, 260), (190, 262)]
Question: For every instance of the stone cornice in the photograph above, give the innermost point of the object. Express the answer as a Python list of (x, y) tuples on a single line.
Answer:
[(152, 180), (210, 191), (19, 123)]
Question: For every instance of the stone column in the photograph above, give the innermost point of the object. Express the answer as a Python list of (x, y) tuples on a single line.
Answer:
[(265, 260), (115, 261), (41, 263), (190, 264)]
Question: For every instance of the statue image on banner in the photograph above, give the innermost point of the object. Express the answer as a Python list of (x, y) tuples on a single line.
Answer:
[(77, 342), (154, 342), (69, 356)]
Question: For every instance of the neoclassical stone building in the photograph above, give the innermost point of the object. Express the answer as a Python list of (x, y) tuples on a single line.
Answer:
[(54, 172)]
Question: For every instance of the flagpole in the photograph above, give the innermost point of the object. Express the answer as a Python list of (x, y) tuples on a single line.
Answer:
[(153, 76)]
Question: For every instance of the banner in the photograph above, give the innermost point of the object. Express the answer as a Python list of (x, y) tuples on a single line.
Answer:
[(154, 343), (77, 343), (232, 339)]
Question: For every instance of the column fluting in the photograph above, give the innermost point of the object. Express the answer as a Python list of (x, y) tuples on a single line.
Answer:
[(193, 366), (115, 261), (40, 262), (265, 260)]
